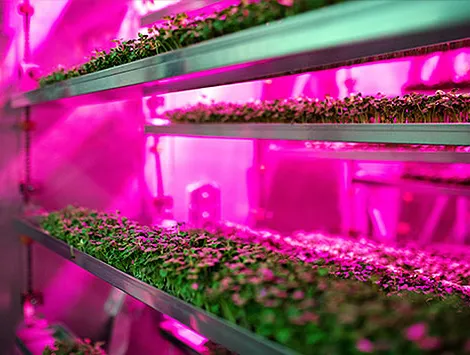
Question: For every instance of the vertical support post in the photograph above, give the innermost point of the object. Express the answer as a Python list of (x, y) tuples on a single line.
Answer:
[(27, 11)]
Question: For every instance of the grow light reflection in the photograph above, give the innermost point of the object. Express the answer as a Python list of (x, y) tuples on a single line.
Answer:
[(379, 222), (429, 68), (187, 336), (462, 64), (159, 121), (28, 311), (273, 147), (143, 7), (200, 75), (36, 336)]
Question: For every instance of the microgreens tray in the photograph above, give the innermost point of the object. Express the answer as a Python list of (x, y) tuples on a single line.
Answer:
[(311, 293)]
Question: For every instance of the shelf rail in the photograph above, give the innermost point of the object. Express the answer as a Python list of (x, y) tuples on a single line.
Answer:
[(402, 134), (219, 331)]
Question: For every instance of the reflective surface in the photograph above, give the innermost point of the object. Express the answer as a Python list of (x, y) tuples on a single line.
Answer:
[(338, 33)]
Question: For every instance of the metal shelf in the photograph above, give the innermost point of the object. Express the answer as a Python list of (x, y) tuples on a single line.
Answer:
[(411, 134), (417, 186), (433, 134), (221, 332), (387, 155), (334, 34)]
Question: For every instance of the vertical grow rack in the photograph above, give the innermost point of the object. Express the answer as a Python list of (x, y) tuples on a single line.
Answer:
[(320, 39)]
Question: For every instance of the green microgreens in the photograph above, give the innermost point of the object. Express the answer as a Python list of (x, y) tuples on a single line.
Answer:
[(178, 32), (76, 347), (311, 306)]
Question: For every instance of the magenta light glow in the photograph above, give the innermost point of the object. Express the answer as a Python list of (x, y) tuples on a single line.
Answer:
[(144, 7), (59, 161), (190, 160), (44, 19), (61, 158), (159, 122), (61, 304), (202, 74), (380, 223), (462, 65), (150, 163), (36, 335), (29, 311), (187, 336), (181, 170)]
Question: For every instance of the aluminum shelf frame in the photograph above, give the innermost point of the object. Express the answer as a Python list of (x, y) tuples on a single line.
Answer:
[(220, 331), (333, 34)]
